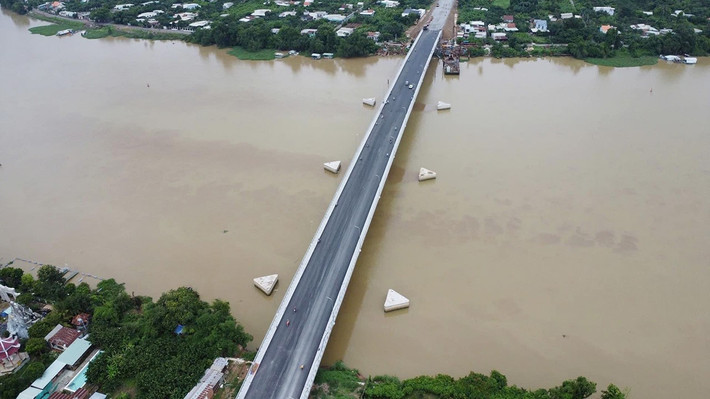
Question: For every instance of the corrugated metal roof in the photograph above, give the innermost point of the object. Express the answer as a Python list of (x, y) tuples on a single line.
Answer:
[(74, 352), (49, 374), (29, 393)]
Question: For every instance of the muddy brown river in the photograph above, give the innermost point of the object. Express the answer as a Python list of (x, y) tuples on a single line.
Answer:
[(566, 234)]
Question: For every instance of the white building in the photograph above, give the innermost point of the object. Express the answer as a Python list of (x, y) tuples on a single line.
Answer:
[(344, 32), (606, 9)]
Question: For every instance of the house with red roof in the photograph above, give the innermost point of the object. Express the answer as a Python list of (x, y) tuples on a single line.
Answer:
[(61, 337)]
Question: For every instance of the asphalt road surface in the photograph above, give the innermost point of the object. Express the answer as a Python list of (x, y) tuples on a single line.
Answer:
[(299, 333)]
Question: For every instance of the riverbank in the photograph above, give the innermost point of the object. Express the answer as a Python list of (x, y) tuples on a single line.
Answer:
[(95, 30), (180, 334)]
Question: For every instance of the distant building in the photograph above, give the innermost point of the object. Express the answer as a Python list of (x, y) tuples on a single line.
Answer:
[(539, 25), (606, 9), (499, 36), (507, 18), (389, 3), (368, 13), (344, 32), (605, 28), (190, 6), (566, 15), (373, 36)]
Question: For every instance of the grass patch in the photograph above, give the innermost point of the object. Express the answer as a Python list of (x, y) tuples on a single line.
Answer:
[(97, 33), (260, 55), (105, 31), (337, 382), (501, 3), (623, 61), (51, 30)]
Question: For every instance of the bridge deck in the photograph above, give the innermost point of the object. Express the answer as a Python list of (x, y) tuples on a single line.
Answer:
[(300, 330)]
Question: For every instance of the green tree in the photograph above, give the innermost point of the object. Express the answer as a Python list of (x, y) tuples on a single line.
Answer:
[(11, 276), (579, 388), (35, 346), (612, 392)]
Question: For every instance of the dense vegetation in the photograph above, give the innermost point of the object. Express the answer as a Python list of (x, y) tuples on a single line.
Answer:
[(137, 335), (582, 34), (340, 382)]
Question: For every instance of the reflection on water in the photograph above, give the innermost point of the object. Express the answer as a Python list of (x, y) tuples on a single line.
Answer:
[(565, 235)]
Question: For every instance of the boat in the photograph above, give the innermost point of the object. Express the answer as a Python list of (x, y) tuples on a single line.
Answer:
[(369, 101), (442, 105)]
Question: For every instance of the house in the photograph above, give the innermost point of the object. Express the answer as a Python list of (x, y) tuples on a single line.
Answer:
[(309, 32), (344, 32), (649, 13), (566, 15), (539, 25), (186, 16), (605, 28), (315, 56), (334, 17), (606, 9), (227, 5), (419, 12), (510, 27), (190, 6), (287, 14), (260, 13), (141, 15), (81, 321), (200, 24), (368, 13), (389, 3), (210, 381), (121, 7), (499, 36), (328, 55), (67, 14), (507, 18), (61, 337), (373, 36)]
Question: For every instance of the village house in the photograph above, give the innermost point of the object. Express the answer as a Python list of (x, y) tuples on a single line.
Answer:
[(309, 32), (389, 3), (539, 25), (368, 13), (606, 9), (344, 32), (227, 5), (190, 6), (374, 36), (61, 337), (605, 28), (212, 379), (507, 18), (334, 18)]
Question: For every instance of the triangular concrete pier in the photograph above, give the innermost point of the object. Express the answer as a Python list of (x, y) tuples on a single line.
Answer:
[(266, 283), (333, 166), (426, 174), (395, 301)]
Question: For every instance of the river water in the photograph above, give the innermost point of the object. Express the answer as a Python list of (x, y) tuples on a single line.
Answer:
[(567, 233)]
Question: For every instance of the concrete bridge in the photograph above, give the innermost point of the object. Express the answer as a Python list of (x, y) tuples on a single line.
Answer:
[(288, 358)]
